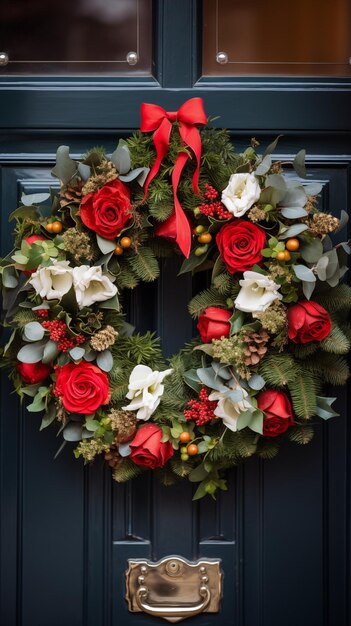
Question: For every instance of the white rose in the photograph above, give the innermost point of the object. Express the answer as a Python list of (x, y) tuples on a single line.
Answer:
[(257, 293), (241, 193), (91, 285), (145, 390), (54, 281), (228, 409)]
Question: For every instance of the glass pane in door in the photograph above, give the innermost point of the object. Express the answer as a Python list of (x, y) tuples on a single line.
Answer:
[(299, 38), (76, 37)]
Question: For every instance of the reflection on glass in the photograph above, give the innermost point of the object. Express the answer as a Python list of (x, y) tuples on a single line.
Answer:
[(76, 36), (303, 37)]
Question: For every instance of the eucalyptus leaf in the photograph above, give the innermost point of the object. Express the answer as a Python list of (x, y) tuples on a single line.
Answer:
[(34, 198), (244, 419), (299, 163), (192, 380), (344, 218), (256, 382), (293, 212), (77, 353), (51, 352), (33, 331), (121, 157), (72, 432), (106, 245), (321, 267), (293, 231), (312, 251), (278, 182), (84, 171), (9, 277), (139, 174), (49, 416), (104, 360), (256, 423), (65, 168), (127, 329), (264, 166), (295, 196), (308, 289), (198, 474), (31, 353), (313, 189), (90, 356), (124, 449), (304, 273), (324, 408), (272, 146)]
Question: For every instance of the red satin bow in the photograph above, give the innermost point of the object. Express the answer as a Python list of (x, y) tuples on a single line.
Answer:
[(154, 117)]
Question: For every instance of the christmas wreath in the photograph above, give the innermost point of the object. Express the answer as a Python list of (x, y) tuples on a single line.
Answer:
[(273, 322)]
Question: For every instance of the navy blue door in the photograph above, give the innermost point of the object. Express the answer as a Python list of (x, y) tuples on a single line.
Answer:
[(66, 532)]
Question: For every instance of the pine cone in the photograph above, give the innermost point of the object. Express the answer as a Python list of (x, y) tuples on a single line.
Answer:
[(256, 347), (113, 457), (71, 194)]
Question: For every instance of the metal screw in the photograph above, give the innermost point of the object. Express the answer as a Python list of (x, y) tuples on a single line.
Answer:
[(132, 58), (4, 58), (222, 58)]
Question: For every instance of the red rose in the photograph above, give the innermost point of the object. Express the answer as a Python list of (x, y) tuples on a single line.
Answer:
[(83, 387), (33, 373), (107, 210), (214, 324), (240, 244), (308, 321), (148, 449), (278, 412), (31, 239)]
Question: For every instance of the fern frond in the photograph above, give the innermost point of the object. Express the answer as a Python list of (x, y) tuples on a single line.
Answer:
[(126, 471), (304, 350), (127, 278), (301, 434), (330, 367), (204, 299), (336, 342), (278, 369), (144, 264), (336, 299), (303, 394), (223, 283), (267, 448), (180, 468)]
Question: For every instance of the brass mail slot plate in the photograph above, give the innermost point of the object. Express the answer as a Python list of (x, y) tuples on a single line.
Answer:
[(174, 588)]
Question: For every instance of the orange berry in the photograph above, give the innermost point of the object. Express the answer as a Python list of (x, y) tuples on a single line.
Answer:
[(287, 255), (281, 256), (292, 244), (204, 238), (48, 227), (126, 242), (192, 449), (118, 250), (56, 227), (184, 437)]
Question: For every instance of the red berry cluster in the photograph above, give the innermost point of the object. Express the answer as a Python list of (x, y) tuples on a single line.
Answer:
[(42, 312), (58, 333), (213, 209), (202, 410)]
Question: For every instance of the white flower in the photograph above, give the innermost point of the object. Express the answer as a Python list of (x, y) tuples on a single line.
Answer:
[(145, 390), (241, 193), (91, 285), (257, 293), (228, 409), (53, 281)]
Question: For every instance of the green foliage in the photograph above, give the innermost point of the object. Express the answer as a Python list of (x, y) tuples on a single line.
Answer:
[(24, 316), (304, 350), (206, 298), (180, 468), (336, 299), (223, 283), (144, 264), (301, 433), (336, 342), (303, 394), (278, 369), (126, 471), (332, 368), (267, 448), (127, 278)]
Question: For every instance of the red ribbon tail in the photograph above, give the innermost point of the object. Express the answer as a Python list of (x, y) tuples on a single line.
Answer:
[(161, 140), (183, 230), (192, 138)]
